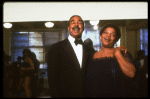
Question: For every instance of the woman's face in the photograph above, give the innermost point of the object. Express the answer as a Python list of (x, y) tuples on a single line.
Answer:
[(108, 37)]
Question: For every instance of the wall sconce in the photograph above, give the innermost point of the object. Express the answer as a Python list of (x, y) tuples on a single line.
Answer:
[(49, 24), (7, 25)]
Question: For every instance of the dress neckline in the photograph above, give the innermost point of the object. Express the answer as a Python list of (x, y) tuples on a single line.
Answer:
[(103, 58)]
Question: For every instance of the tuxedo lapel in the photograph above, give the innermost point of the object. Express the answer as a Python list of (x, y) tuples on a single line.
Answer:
[(85, 56), (68, 49)]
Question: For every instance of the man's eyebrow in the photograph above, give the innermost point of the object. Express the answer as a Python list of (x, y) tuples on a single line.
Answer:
[(81, 20), (72, 20)]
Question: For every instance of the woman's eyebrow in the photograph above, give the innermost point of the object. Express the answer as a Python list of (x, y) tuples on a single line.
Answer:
[(105, 31), (108, 30)]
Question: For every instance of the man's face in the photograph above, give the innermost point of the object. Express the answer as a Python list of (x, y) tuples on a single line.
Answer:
[(76, 27)]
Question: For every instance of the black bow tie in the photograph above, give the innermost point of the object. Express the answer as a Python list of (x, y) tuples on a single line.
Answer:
[(78, 41)]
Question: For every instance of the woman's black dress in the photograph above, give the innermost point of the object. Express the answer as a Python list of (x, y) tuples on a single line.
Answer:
[(105, 79)]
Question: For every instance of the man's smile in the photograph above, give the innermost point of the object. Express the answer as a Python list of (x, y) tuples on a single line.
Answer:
[(76, 28)]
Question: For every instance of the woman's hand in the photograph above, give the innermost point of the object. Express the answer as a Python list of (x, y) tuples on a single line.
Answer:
[(127, 67), (119, 50)]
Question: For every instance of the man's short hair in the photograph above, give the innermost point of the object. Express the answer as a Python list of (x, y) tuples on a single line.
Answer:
[(74, 16)]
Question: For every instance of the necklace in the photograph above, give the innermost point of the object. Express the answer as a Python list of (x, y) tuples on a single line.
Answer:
[(107, 54), (101, 54)]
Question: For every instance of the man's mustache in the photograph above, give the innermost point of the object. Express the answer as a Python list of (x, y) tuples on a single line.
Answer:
[(76, 27)]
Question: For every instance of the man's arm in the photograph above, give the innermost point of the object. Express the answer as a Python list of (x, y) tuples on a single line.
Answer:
[(52, 70)]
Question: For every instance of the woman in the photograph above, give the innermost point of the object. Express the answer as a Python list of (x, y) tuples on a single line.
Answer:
[(110, 69), (27, 71)]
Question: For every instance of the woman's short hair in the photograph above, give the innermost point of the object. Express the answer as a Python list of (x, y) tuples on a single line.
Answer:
[(118, 33)]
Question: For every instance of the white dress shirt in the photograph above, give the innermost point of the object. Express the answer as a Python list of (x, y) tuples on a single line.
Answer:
[(78, 49), (142, 62)]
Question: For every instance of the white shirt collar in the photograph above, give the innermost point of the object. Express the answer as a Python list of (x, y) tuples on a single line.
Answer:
[(77, 49), (71, 39)]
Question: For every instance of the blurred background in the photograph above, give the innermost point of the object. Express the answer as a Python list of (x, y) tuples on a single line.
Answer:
[(27, 28)]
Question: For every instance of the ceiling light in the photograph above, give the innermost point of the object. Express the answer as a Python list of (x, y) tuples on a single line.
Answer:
[(49, 24), (95, 27), (94, 22), (7, 25)]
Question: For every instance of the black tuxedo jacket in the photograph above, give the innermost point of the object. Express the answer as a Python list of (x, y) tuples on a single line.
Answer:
[(65, 77)]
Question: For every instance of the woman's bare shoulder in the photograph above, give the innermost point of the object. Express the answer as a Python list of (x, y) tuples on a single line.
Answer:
[(96, 55)]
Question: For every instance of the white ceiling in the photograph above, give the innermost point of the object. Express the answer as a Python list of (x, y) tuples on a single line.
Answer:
[(62, 11)]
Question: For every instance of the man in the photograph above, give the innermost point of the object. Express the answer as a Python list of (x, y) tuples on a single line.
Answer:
[(140, 80), (66, 63), (89, 42), (16, 75)]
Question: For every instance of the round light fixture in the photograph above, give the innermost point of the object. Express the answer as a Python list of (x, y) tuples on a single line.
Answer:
[(95, 27), (94, 22), (7, 25), (49, 24)]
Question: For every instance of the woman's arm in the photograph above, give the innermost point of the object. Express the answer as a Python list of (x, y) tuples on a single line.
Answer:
[(124, 61)]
